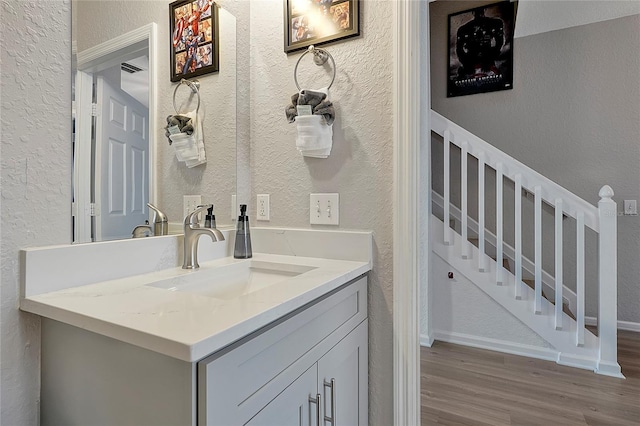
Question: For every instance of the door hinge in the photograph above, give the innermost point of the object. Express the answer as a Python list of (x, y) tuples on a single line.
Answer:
[(93, 209), (94, 110)]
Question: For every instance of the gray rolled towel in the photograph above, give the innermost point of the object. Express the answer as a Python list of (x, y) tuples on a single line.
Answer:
[(325, 108), (318, 101), (311, 97), (183, 122), (291, 111)]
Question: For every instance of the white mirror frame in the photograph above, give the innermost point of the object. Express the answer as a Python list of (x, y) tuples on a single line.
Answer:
[(86, 60)]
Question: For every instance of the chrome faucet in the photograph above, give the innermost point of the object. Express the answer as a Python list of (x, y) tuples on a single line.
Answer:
[(160, 221), (142, 231), (192, 233)]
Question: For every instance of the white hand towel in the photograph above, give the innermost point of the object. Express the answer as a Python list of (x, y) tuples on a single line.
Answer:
[(198, 134), (315, 136)]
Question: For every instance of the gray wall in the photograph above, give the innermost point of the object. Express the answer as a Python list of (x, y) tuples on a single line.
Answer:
[(360, 165), (573, 116), (36, 179)]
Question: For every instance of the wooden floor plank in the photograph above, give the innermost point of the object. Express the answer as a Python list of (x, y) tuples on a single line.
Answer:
[(468, 386)]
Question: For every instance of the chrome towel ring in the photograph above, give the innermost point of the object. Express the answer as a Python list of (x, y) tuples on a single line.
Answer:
[(194, 85), (320, 57)]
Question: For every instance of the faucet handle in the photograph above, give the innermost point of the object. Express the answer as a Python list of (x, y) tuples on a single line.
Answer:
[(192, 218)]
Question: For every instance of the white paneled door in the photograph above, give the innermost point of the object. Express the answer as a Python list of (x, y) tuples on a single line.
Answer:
[(122, 173)]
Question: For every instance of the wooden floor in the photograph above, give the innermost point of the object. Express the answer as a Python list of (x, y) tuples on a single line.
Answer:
[(467, 386)]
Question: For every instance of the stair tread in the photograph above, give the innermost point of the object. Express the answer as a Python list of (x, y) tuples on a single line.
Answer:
[(506, 265), (565, 306)]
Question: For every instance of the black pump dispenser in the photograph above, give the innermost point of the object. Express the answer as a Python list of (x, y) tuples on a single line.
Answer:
[(243, 236), (210, 218)]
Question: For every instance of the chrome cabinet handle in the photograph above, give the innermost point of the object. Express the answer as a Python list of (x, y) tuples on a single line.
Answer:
[(315, 401), (332, 384)]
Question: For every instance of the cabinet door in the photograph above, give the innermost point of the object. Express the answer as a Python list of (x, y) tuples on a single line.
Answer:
[(292, 407), (343, 380), (237, 382)]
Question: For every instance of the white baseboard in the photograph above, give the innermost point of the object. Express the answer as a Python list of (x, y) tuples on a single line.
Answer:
[(426, 340), (577, 361), (629, 326), (622, 325), (548, 354)]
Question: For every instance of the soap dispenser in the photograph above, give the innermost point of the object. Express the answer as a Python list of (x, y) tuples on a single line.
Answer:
[(243, 237), (210, 218)]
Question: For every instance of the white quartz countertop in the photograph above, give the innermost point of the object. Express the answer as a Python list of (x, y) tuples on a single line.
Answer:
[(185, 325)]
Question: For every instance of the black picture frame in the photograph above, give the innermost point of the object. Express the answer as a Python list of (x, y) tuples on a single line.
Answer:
[(194, 44), (319, 22), (480, 54)]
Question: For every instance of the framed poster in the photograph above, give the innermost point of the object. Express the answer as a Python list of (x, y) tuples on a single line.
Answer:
[(317, 22), (194, 48), (481, 50)]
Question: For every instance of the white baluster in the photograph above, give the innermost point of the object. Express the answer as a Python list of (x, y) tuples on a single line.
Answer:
[(518, 235), (481, 257), (580, 279), (447, 187), (607, 285), (558, 250), (465, 213), (538, 249), (499, 237)]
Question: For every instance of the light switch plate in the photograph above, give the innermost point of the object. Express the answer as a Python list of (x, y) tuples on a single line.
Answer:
[(262, 208), (324, 209)]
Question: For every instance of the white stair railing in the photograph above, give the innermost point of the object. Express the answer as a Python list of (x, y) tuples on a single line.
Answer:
[(602, 220)]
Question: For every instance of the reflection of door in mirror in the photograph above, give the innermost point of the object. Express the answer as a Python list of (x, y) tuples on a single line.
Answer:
[(121, 156), (113, 148)]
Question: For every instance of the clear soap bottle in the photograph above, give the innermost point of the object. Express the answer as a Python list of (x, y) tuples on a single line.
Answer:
[(243, 236), (210, 218)]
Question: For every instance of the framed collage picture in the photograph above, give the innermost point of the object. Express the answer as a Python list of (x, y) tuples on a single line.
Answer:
[(317, 22), (194, 46)]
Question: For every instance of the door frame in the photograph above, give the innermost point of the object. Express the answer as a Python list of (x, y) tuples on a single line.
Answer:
[(411, 239), (89, 61)]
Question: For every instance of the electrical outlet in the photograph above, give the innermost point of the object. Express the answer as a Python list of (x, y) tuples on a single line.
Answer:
[(263, 210), (191, 202), (324, 209), (631, 207)]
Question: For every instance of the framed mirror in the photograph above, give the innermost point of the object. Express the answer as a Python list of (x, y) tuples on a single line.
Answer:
[(122, 95)]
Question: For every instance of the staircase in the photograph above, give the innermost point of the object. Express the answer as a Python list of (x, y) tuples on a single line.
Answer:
[(489, 252)]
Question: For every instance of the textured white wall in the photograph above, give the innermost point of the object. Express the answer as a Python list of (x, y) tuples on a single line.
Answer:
[(101, 20), (35, 167), (360, 165)]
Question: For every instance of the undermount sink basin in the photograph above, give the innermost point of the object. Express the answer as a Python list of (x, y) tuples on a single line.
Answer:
[(233, 281)]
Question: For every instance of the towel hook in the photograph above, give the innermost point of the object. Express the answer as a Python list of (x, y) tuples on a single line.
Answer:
[(320, 57), (194, 85)]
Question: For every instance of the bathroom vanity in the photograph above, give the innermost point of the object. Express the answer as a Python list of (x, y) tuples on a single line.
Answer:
[(279, 339)]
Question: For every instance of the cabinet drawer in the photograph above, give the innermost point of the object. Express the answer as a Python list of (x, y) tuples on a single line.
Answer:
[(237, 382)]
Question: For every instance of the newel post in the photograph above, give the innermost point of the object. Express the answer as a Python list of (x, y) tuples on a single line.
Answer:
[(608, 285)]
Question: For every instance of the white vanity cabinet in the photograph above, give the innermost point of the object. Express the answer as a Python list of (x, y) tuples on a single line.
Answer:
[(318, 354), (327, 393), (272, 376)]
